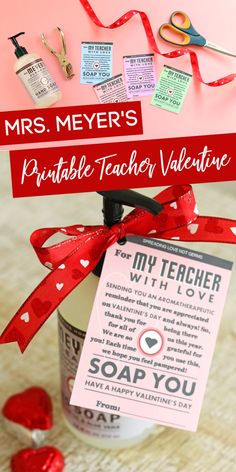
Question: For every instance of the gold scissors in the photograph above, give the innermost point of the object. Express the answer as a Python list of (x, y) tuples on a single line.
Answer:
[(181, 32), (61, 56)]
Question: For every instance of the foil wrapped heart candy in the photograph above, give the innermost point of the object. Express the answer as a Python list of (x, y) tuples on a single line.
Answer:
[(28, 415), (45, 459)]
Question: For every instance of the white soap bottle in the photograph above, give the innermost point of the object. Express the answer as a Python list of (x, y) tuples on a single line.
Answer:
[(103, 430), (35, 76)]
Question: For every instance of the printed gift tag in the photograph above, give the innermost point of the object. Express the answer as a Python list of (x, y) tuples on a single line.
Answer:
[(140, 75), (96, 62), (152, 332), (111, 90), (171, 89)]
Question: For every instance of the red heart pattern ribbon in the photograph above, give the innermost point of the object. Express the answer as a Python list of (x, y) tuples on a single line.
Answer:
[(151, 39), (73, 259)]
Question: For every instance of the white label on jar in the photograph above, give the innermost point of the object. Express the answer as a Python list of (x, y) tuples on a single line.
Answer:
[(37, 80), (94, 423)]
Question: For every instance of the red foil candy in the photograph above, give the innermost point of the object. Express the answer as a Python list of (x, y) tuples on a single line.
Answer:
[(152, 42), (29, 415), (46, 459)]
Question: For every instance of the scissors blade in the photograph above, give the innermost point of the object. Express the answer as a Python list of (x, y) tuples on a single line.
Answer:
[(219, 49)]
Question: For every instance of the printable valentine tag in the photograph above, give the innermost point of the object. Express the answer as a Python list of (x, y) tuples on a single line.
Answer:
[(111, 90), (96, 62), (152, 332), (171, 89), (140, 75)]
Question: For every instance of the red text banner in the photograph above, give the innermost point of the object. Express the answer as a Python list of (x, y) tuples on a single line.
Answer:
[(136, 164), (62, 124)]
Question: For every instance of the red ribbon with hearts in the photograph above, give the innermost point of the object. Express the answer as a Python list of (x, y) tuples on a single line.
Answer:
[(151, 39), (73, 259)]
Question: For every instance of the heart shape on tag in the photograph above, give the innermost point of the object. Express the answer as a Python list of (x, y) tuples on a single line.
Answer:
[(174, 205), (62, 266), (151, 342), (233, 230), (84, 263), (193, 228), (25, 317), (81, 229), (45, 459), (31, 408), (59, 286)]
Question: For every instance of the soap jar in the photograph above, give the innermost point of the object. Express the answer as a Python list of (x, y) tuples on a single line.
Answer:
[(99, 429)]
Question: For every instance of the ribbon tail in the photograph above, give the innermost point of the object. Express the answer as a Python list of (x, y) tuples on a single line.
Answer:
[(11, 335), (42, 302)]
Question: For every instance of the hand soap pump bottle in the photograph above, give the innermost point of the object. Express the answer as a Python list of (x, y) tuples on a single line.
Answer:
[(35, 76), (102, 430)]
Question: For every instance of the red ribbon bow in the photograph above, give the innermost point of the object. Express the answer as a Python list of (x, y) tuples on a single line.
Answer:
[(151, 39), (71, 260)]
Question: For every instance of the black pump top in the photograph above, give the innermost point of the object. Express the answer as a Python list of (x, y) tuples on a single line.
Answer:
[(113, 201), (20, 50)]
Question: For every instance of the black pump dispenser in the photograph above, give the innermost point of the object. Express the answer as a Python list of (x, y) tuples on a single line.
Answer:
[(113, 201), (20, 50)]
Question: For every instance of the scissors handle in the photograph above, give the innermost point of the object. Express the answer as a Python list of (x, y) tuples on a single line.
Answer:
[(173, 35), (181, 20), (181, 31)]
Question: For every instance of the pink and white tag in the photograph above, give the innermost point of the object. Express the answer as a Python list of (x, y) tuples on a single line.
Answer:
[(152, 332)]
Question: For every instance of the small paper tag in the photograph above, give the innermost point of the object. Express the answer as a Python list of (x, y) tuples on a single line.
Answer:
[(140, 75), (96, 62), (112, 90), (171, 89), (152, 332)]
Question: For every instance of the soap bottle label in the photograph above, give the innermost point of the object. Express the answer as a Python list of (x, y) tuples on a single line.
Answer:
[(37, 80), (94, 423)]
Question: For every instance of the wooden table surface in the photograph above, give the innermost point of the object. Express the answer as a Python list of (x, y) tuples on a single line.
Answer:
[(213, 447)]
